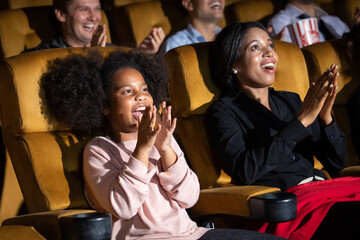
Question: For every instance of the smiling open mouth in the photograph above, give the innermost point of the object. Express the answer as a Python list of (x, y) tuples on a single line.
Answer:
[(268, 66), (215, 5), (89, 26), (138, 111)]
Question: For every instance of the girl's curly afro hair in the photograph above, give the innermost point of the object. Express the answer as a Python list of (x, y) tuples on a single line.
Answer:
[(75, 88), (73, 92), (150, 66)]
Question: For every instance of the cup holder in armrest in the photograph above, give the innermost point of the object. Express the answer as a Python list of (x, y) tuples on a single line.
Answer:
[(89, 226), (274, 207)]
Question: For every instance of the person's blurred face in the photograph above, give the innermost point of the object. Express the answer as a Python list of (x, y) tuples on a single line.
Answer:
[(303, 1), (257, 60), (80, 21), (207, 10)]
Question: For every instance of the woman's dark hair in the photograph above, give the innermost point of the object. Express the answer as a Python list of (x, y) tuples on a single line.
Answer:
[(226, 51), (76, 88)]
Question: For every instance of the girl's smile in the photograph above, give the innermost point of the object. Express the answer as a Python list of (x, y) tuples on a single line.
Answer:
[(138, 112)]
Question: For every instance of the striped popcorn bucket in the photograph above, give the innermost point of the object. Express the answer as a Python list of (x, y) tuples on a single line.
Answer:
[(304, 32)]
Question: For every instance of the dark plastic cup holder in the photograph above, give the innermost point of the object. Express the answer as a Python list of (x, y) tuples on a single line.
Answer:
[(89, 226), (274, 207)]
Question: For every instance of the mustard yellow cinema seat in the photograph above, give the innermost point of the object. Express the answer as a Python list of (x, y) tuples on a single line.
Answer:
[(11, 199), (249, 10), (191, 92), (22, 29), (47, 158), (18, 232), (319, 57), (25, 28), (131, 23), (120, 3), (15, 4)]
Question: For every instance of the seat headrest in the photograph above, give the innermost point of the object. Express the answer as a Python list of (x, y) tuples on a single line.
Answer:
[(19, 85), (145, 16), (320, 56)]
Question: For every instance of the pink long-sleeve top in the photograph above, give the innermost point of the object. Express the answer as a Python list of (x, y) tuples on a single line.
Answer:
[(145, 202)]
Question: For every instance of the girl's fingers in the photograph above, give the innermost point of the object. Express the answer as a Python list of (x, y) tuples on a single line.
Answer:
[(155, 125), (163, 111), (146, 117), (153, 118), (173, 125), (169, 117), (139, 119), (166, 118), (157, 130)]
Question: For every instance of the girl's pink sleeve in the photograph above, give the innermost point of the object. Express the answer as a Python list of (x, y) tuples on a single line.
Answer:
[(179, 181), (119, 190)]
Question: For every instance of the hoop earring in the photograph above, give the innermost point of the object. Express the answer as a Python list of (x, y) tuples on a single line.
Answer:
[(235, 71)]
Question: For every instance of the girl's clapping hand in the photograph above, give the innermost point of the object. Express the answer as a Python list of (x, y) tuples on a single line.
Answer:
[(167, 126), (147, 128)]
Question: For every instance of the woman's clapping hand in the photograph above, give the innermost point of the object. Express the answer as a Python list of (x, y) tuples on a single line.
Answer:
[(320, 98)]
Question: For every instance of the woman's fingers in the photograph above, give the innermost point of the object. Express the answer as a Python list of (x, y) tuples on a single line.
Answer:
[(325, 81), (320, 97)]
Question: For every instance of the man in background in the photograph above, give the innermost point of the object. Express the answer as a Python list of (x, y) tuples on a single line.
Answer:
[(295, 10), (80, 27), (204, 14)]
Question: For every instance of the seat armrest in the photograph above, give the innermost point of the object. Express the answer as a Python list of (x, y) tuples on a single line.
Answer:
[(238, 201), (18, 232), (275, 207), (46, 223), (353, 171)]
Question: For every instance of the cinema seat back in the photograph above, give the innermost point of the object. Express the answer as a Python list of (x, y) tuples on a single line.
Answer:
[(249, 10), (16, 4), (47, 156), (131, 23), (345, 10)]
